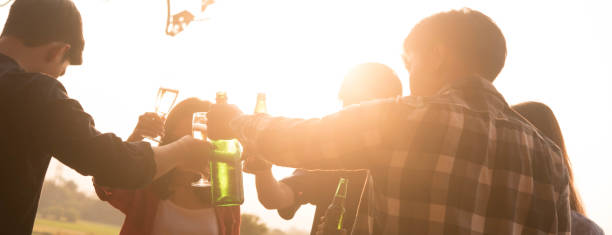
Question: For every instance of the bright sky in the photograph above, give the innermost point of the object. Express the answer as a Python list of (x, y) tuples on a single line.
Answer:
[(559, 53)]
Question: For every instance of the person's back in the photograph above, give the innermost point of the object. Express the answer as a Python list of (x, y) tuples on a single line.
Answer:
[(471, 165), (15, 141), (23, 101)]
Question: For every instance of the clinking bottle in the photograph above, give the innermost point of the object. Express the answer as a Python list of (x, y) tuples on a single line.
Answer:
[(260, 106), (334, 216), (226, 168)]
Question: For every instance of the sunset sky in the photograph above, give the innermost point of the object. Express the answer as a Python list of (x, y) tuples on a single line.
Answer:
[(559, 53)]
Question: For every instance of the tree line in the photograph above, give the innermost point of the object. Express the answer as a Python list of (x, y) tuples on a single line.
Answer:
[(62, 201)]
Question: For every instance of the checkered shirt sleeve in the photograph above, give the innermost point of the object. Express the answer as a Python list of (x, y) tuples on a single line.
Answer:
[(458, 163)]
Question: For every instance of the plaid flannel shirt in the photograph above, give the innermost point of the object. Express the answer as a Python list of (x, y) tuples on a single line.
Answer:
[(459, 162)]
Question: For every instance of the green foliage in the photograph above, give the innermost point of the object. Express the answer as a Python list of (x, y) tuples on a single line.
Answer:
[(71, 215), (250, 225), (64, 202), (64, 210), (52, 212), (54, 227)]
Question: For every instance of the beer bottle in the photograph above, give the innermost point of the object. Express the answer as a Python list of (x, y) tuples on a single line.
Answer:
[(260, 106), (226, 168), (334, 215), (252, 162), (221, 97)]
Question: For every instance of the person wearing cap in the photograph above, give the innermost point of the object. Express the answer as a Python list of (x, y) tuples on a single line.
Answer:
[(364, 82), (39, 120)]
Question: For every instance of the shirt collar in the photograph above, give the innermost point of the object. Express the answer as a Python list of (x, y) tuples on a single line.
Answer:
[(474, 83), (475, 86), (7, 62)]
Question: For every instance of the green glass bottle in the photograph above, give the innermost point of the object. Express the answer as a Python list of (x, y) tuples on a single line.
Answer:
[(226, 169), (334, 216)]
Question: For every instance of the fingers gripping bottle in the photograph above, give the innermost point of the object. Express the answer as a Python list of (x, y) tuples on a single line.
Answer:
[(226, 168), (253, 162)]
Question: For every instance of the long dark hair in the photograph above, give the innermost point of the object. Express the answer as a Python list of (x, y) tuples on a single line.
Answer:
[(543, 118), (180, 114)]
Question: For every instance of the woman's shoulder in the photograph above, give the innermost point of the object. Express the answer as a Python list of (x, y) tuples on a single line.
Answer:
[(583, 225)]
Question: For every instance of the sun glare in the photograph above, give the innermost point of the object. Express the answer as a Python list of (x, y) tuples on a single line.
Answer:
[(297, 52)]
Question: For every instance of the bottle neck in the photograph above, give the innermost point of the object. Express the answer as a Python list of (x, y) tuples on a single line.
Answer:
[(261, 108), (341, 191), (338, 201), (221, 97)]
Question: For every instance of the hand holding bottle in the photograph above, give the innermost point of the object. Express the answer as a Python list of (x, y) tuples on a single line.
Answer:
[(333, 221), (187, 153), (196, 154), (253, 163), (149, 124)]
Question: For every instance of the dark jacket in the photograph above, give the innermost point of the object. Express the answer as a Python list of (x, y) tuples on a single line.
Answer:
[(38, 120)]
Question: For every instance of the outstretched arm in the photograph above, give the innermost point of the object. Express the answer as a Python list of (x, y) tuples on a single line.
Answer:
[(64, 130), (149, 124), (349, 139)]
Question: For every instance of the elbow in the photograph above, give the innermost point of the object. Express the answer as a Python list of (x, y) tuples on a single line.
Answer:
[(102, 192), (276, 203), (268, 204)]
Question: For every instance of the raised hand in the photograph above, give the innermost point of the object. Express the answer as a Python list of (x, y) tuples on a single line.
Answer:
[(150, 125), (253, 164), (196, 154)]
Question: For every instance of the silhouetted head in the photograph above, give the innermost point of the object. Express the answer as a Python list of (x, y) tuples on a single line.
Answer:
[(369, 81), (49, 31), (543, 118), (178, 124), (453, 45)]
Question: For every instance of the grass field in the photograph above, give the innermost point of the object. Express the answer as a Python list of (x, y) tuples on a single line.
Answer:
[(53, 227)]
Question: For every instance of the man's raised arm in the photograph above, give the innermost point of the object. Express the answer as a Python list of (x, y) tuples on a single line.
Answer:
[(350, 139), (67, 132)]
